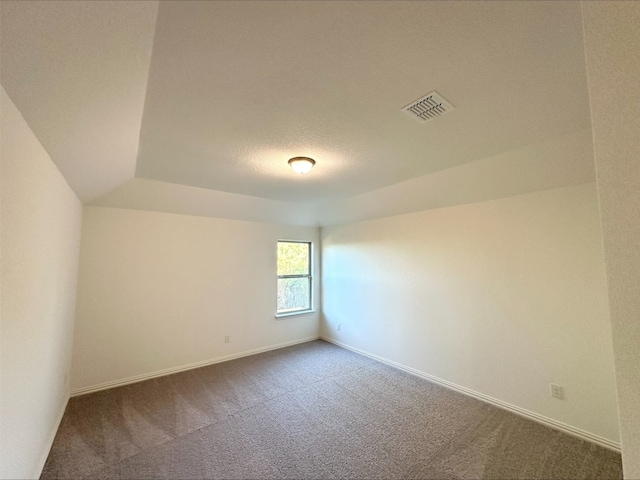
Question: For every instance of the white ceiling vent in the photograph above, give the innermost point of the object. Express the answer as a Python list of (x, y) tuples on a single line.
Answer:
[(431, 106)]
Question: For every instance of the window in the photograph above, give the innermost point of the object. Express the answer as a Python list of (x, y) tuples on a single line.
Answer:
[(294, 277)]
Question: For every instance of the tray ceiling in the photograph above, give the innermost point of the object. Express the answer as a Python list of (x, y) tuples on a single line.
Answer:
[(219, 95)]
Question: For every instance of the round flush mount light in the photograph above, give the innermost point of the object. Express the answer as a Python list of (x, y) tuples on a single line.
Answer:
[(302, 164)]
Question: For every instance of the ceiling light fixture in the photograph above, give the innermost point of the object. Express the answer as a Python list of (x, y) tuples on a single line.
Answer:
[(302, 164)]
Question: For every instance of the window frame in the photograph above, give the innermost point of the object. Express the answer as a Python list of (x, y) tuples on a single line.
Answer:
[(309, 276)]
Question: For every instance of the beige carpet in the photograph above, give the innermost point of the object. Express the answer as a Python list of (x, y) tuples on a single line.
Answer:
[(309, 411)]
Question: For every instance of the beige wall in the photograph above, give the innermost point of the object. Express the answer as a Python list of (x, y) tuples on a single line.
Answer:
[(501, 297), (612, 45), (159, 291), (40, 228)]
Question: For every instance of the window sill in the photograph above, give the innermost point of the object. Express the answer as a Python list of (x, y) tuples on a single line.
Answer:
[(293, 314)]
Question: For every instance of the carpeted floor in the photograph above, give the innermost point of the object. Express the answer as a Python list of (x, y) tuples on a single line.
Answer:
[(309, 411)]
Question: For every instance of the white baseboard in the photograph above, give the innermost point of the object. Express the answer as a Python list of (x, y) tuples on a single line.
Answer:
[(182, 368), (563, 427), (52, 437)]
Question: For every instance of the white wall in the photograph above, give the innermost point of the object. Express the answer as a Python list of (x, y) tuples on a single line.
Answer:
[(612, 36), (160, 290), (40, 227), (501, 297)]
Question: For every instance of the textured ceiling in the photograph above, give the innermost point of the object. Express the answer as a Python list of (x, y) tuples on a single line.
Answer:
[(236, 89), (77, 71), (219, 95)]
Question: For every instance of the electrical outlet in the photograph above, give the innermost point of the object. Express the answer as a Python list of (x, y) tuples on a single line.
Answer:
[(227, 338), (557, 391), (339, 327)]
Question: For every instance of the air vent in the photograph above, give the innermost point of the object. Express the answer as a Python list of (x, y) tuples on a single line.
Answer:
[(431, 106)]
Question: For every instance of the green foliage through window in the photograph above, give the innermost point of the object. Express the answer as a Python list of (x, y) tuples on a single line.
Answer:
[(294, 276), (293, 258)]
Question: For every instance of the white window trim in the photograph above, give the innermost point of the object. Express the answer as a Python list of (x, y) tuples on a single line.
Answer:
[(293, 314)]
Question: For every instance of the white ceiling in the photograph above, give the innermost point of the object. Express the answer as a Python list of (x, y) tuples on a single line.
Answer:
[(77, 71), (219, 95)]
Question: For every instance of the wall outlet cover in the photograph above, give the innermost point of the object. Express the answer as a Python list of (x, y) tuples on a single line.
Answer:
[(557, 391)]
